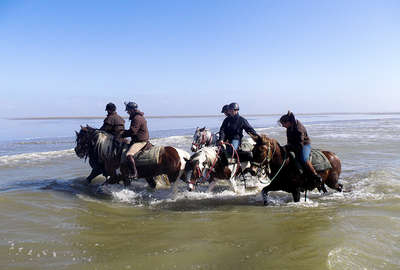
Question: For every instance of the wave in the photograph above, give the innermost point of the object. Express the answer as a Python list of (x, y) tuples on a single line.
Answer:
[(34, 159)]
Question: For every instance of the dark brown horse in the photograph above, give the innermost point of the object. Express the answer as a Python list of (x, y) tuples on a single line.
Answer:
[(274, 159), (105, 157)]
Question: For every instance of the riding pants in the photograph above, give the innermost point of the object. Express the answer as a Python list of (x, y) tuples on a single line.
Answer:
[(305, 153), (235, 143), (136, 147)]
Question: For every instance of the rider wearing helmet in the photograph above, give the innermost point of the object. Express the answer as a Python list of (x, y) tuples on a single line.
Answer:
[(224, 110), (232, 128), (113, 123), (138, 132), (299, 142)]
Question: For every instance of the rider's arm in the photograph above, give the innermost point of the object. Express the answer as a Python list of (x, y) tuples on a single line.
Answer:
[(249, 129), (222, 135)]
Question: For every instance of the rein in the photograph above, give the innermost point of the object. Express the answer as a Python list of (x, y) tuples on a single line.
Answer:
[(235, 153), (268, 158)]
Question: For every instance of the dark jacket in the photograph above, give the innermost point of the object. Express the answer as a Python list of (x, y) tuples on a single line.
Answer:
[(114, 124), (232, 128), (138, 130), (297, 135)]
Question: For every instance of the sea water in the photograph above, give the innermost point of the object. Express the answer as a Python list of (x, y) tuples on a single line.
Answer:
[(51, 218)]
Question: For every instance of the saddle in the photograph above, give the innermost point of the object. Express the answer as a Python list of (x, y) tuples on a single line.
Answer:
[(148, 155), (319, 161)]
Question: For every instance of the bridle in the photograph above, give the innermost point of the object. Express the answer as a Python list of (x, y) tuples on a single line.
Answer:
[(200, 172), (268, 157)]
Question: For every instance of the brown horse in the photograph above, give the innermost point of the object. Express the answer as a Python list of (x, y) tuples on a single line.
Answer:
[(105, 157), (274, 159)]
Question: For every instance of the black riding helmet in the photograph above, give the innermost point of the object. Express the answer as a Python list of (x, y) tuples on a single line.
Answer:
[(234, 106), (130, 106), (111, 107), (225, 108)]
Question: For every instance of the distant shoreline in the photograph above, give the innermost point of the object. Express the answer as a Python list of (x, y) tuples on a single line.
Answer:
[(186, 116)]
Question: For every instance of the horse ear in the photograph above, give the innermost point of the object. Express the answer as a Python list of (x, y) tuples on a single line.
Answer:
[(76, 132)]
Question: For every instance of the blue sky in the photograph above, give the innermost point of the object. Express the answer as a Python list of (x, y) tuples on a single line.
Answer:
[(70, 58)]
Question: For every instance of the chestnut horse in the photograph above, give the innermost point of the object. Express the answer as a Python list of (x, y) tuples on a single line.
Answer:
[(274, 159), (105, 157)]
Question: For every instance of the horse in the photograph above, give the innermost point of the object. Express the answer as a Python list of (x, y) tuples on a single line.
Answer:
[(106, 156), (211, 164), (203, 137), (276, 161)]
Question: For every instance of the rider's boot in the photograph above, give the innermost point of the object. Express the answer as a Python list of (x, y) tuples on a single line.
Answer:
[(312, 175), (133, 171)]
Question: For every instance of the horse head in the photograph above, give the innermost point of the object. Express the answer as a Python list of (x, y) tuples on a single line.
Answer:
[(83, 141), (263, 152), (202, 137), (199, 163)]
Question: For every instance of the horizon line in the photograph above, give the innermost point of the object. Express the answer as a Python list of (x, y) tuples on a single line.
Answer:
[(185, 116)]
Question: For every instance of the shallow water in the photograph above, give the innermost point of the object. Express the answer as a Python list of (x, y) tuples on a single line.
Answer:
[(52, 219)]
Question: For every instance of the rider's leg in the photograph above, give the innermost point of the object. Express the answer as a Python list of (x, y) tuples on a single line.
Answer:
[(133, 172), (136, 147), (308, 165), (235, 143)]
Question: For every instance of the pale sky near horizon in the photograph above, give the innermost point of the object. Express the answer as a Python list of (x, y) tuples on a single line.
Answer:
[(70, 58)]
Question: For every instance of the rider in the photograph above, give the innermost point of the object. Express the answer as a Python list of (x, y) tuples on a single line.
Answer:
[(139, 135), (113, 123), (224, 110), (232, 127), (299, 142)]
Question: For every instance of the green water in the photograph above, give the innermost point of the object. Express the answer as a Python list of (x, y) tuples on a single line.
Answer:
[(56, 230)]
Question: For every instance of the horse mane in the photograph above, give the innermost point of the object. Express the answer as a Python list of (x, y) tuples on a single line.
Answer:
[(264, 139), (208, 152), (104, 146)]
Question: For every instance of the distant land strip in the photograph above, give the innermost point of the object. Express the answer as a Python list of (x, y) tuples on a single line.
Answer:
[(190, 116)]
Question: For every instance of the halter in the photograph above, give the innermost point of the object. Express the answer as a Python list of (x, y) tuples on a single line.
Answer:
[(203, 179), (268, 158)]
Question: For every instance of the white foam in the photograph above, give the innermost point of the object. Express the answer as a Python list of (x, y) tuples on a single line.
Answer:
[(33, 159)]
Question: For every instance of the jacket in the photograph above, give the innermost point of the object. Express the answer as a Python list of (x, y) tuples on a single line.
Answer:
[(114, 124), (297, 135), (232, 128), (138, 130)]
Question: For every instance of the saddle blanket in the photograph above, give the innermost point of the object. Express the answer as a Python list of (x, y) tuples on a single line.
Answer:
[(319, 161), (145, 158)]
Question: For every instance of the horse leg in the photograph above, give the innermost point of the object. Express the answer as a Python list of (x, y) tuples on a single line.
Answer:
[(273, 186), (151, 182), (211, 186), (332, 181), (94, 173), (296, 194)]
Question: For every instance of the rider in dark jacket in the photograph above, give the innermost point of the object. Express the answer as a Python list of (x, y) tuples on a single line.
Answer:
[(139, 135), (232, 128), (113, 123), (299, 142)]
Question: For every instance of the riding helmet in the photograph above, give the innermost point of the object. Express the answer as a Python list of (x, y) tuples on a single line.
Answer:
[(225, 108), (111, 107), (234, 106), (131, 106)]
